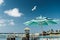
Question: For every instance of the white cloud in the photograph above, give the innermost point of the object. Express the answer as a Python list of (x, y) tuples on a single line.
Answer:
[(4, 22), (13, 12), (1, 2), (11, 22), (34, 8)]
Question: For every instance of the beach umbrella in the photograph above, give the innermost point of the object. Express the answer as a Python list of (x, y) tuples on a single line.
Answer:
[(41, 21)]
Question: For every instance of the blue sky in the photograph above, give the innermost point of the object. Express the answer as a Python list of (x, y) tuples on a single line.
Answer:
[(13, 13)]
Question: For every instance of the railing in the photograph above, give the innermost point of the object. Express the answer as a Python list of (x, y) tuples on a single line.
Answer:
[(19, 37)]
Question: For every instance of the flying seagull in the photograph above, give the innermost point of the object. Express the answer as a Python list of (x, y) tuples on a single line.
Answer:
[(34, 8)]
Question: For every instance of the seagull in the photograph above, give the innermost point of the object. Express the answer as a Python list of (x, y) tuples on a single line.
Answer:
[(34, 8)]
